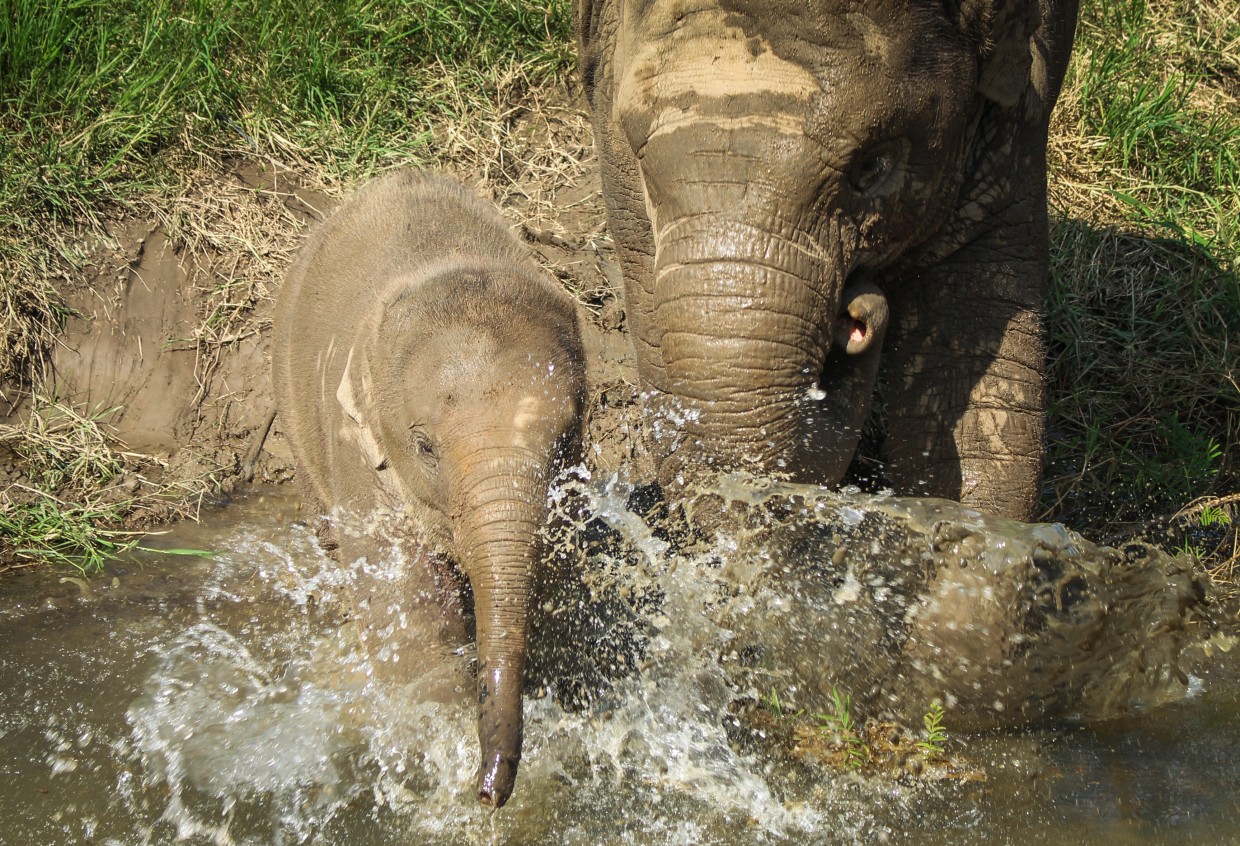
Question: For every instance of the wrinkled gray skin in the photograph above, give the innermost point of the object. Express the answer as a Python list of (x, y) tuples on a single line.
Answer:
[(793, 185), (422, 362)]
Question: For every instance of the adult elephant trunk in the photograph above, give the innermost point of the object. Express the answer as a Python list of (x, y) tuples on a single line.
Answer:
[(501, 501), (769, 343)]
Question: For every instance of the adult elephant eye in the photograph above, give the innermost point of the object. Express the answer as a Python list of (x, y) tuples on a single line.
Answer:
[(877, 170)]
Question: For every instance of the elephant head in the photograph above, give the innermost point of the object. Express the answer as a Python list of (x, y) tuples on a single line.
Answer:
[(781, 176), (465, 394)]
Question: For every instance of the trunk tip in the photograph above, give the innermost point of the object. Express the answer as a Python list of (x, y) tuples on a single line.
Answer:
[(496, 779)]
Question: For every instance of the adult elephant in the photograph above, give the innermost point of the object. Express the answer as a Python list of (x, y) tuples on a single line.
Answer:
[(793, 184)]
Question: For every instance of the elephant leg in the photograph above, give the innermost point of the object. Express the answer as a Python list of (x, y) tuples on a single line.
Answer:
[(965, 393)]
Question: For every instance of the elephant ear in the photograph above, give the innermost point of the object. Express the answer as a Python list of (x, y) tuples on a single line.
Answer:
[(1002, 31), (354, 425)]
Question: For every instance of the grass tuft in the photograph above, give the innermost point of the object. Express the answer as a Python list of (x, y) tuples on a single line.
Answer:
[(62, 449), (70, 491), (47, 531), (839, 722)]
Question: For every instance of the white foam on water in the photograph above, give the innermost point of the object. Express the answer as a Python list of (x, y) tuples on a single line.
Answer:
[(304, 733)]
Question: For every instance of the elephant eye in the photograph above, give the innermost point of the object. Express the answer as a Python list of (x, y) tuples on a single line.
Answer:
[(876, 169), (421, 447)]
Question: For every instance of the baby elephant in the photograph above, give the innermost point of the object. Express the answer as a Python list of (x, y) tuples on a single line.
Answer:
[(422, 361)]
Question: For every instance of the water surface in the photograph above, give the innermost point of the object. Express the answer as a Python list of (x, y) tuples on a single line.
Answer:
[(221, 701)]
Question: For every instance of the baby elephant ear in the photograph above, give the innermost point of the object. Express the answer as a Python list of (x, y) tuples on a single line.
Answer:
[(1003, 32), (354, 427)]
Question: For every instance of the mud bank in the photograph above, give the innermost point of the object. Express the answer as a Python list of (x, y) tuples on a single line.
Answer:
[(171, 335)]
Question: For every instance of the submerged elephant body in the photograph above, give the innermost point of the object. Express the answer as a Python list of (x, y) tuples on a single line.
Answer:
[(794, 186), (422, 363)]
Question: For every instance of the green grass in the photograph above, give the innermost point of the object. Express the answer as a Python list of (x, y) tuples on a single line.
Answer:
[(45, 530), (772, 703), (103, 97), (935, 737), (839, 721), (1144, 311), (1138, 72)]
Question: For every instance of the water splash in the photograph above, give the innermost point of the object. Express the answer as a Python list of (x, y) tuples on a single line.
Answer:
[(245, 706)]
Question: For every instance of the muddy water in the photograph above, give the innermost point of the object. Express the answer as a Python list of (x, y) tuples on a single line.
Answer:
[(222, 701)]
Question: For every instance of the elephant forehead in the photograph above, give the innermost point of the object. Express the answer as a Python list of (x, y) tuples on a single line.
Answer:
[(739, 64), (702, 56), (466, 359), (509, 391)]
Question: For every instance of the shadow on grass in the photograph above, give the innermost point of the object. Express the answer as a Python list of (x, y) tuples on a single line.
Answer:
[(1143, 365)]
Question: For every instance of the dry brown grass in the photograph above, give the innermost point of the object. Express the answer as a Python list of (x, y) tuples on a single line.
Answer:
[(237, 229), (30, 318)]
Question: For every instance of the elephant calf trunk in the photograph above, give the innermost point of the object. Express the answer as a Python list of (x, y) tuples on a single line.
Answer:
[(503, 635), (500, 725), (496, 543)]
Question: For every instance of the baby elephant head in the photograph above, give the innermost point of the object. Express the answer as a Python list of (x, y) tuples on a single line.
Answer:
[(468, 398)]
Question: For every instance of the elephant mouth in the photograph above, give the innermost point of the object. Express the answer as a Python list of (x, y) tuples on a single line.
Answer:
[(856, 331), (862, 320), (774, 389)]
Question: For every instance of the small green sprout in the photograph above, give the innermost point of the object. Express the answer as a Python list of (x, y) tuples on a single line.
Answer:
[(840, 721), (772, 703), (936, 735), (1212, 515), (1191, 550)]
